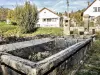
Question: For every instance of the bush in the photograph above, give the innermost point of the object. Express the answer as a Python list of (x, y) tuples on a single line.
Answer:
[(13, 23), (11, 33), (27, 18), (98, 35)]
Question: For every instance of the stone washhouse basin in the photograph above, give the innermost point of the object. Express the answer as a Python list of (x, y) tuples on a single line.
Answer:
[(36, 57)]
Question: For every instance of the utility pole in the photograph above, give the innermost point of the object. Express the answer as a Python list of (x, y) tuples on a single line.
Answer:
[(66, 21), (68, 15)]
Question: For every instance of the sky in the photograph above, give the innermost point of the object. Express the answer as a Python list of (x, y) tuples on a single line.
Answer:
[(55, 5)]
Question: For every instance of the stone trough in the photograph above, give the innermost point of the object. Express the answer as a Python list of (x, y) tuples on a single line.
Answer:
[(42, 56)]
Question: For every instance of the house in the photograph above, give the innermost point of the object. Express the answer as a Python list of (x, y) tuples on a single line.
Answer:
[(93, 10), (48, 18), (90, 15)]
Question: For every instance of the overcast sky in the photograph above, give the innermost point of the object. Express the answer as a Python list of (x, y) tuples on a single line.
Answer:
[(55, 5)]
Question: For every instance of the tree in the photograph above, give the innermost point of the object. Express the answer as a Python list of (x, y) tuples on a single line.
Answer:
[(27, 18), (14, 15), (3, 13), (78, 17), (66, 13), (10, 15), (60, 14), (17, 13)]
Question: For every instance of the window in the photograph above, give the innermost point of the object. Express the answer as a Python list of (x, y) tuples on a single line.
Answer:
[(49, 20), (44, 20), (54, 19), (95, 9), (98, 9)]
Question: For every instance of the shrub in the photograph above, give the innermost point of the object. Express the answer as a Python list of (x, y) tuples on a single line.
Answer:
[(98, 35), (13, 23), (13, 32), (27, 18)]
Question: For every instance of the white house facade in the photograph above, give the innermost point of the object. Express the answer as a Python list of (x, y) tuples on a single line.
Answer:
[(48, 18), (93, 10), (90, 15)]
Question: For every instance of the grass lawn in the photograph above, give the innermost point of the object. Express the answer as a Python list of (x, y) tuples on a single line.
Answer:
[(52, 31), (2, 23), (8, 30), (92, 65), (4, 28)]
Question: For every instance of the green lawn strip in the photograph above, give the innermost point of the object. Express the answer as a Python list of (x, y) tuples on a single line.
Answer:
[(45, 31), (92, 65), (8, 30)]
